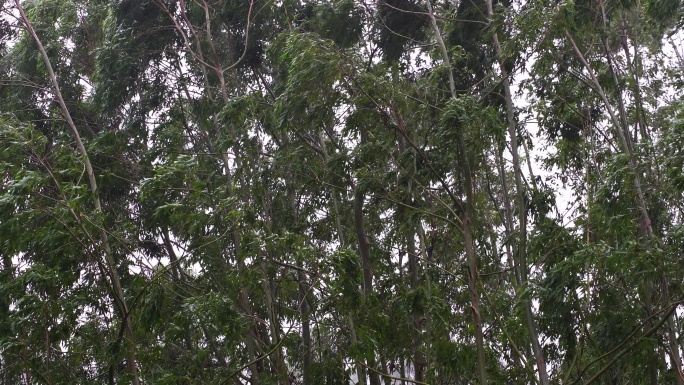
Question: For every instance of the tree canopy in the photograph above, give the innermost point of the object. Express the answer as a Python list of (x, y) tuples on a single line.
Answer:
[(341, 192)]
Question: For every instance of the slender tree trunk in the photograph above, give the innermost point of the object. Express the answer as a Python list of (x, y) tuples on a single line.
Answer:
[(118, 292), (675, 356), (364, 251), (251, 337), (278, 367), (621, 128), (675, 325), (303, 288), (418, 319), (306, 329), (217, 68), (622, 132), (507, 216), (426, 254), (402, 370), (7, 359), (467, 217), (521, 248), (385, 369), (198, 55), (360, 370)]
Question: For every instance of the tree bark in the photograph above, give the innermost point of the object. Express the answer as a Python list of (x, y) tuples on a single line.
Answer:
[(118, 292), (521, 249), (467, 216), (306, 329), (417, 327), (621, 129), (364, 251)]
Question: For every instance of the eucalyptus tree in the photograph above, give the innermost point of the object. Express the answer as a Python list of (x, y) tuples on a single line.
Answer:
[(68, 216), (598, 90), (335, 192)]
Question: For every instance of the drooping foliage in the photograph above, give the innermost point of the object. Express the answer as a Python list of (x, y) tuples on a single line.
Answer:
[(341, 192)]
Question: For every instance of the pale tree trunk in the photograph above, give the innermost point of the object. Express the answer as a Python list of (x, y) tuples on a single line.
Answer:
[(387, 380), (402, 371), (216, 67), (521, 249), (9, 358), (675, 355), (118, 292), (621, 129), (646, 138), (622, 132), (467, 216), (507, 215), (364, 245), (278, 366), (676, 346), (672, 345)]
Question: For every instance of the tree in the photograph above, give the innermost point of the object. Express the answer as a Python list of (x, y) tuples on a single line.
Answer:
[(336, 192)]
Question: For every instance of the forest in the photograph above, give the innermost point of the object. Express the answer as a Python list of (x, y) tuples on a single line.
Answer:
[(341, 192)]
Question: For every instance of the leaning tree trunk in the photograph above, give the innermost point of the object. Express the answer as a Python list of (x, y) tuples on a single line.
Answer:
[(118, 292), (620, 124)]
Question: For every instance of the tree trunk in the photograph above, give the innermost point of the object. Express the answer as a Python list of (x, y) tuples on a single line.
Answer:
[(306, 329), (521, 248), (418, 356), (118, 292), (360, 370), (467, 216), (364, 251)]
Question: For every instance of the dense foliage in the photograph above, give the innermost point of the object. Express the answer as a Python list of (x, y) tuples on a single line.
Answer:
[(340, 192)]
